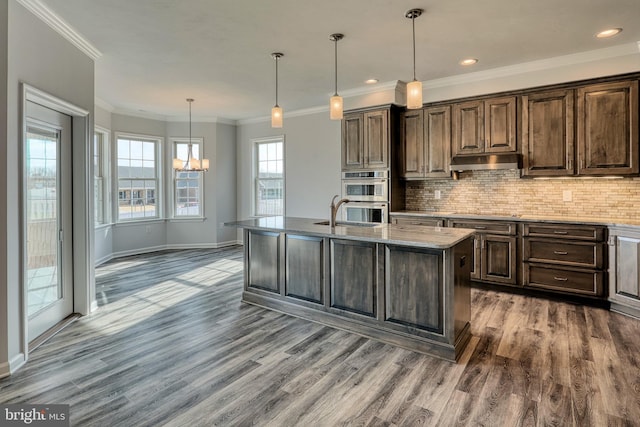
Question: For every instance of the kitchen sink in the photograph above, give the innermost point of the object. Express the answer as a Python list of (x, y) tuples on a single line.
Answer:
[(350, 224)]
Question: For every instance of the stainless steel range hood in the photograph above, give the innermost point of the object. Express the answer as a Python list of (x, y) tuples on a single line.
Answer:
[(486, 162)]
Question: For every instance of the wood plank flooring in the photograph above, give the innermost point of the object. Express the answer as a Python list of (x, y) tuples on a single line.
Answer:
[(173, 345)]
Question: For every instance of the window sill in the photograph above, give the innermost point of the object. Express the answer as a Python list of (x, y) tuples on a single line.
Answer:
[(103, 226), (188, 219), (139, 222)]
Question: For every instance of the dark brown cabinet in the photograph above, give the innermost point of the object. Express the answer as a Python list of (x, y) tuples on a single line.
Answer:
[(564, 258), (485, 126), (547, 133), (417, 220), (495, 250), (624, 274), (354, 276), (426, 143), (365, 140), (590, 130), (607, 128)]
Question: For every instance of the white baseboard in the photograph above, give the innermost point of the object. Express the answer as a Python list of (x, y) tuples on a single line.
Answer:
[(8, 368)]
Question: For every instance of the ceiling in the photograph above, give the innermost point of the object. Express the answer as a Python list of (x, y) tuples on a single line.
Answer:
[(157, 53)]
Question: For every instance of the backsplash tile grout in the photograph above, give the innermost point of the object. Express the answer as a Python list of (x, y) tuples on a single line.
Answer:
[(503, 192)]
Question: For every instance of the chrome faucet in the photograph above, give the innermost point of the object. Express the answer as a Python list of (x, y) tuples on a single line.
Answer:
[(334, 209)]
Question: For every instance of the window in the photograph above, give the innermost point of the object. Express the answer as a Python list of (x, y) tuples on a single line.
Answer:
[(269, 177), (101, 176), (138, 178), (187, 186)]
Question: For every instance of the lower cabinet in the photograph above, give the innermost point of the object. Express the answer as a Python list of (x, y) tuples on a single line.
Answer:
[(264, 272), (564, 258), (624, 274), (495, 250), (354, 276), (304, 267)]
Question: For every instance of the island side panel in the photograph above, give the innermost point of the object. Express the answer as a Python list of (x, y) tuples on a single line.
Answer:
[(414, 291), (304, 269), (462, 260), (353, 276), (263, 271)]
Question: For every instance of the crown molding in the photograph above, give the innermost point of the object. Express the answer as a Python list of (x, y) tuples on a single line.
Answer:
[(58, 24), (539, 65), (99, 102), (369, 89), (201, 119)]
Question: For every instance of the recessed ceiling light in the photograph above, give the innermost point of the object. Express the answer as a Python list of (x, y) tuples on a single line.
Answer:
[(371, 81), (608, 33), (468, 61)]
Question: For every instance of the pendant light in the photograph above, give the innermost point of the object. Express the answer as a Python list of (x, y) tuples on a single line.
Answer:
[(414, 89), (335, 104), (191, 164), (276, 111)]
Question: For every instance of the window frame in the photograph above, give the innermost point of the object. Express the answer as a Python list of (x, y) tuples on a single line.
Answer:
[(256, 142), (158, 142), (104, 162), (174, 179)]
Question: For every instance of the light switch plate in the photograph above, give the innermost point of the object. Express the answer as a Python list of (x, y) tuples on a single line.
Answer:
[(437, 194), (567, 196)]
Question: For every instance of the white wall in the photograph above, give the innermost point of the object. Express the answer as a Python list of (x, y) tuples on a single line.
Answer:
[(226, 188), (312, 163), (38, 56)]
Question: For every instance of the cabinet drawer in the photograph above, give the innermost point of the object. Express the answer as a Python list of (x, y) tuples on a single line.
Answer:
[(578, 254), (563, 231), (557, 279), (506, 228), (429, 222)]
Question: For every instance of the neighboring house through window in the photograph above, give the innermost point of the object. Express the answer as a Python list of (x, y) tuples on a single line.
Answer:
[(139, 189), (269, 176), (187, 186)]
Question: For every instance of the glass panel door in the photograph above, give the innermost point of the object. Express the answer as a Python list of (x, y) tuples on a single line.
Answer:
[(47, 217)]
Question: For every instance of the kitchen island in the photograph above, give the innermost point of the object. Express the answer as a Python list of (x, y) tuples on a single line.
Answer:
[(403, 285)]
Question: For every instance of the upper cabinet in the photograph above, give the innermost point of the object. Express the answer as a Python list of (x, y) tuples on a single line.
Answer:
[(608, 128), (485, 126), (547, 133), (605, 140), (365, 140), (426, 143)]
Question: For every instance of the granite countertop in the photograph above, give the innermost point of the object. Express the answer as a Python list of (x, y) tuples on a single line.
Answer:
[(605, 221), (396, 234)]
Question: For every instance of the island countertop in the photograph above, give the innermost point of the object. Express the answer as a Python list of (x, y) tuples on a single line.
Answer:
[(395, 234)]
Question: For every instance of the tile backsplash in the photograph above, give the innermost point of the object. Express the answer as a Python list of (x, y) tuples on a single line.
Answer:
[(503, 192)]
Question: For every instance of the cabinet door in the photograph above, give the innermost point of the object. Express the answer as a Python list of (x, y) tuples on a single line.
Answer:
[(352, 142), (354, 276), (547, 133), (437, 142), (468, 128), (607, 118), (412, 144), (376, 139), (500, 125), (498, 259)]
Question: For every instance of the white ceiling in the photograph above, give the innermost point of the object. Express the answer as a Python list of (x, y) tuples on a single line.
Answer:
[(156, 53)]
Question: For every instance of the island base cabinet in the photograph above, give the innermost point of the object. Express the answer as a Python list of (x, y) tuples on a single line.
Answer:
[(413, 288), (624, 274), (412, 297), (263, 272), (353, 276)]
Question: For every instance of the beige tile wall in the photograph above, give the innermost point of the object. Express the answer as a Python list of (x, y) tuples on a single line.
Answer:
[(504, 192)]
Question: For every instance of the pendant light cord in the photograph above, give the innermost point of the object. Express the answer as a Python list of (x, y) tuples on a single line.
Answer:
[(413, 24), (277, 81), (336, 65)]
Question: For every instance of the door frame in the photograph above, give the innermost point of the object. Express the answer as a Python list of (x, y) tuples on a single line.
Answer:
[(83, 273)]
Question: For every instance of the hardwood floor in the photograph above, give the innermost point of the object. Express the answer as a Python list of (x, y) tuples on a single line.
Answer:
[(172, 345)]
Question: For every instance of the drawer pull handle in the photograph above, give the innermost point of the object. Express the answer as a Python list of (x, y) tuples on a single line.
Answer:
[(560, 252), (560, 279), (480, 227), (559, 232)]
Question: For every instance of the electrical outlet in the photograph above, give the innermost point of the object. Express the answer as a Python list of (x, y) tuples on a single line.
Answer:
[(567, 196), (437, 194), (148, 229)]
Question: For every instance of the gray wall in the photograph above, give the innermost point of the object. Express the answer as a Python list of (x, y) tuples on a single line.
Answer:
[(38, 56), (312, 163), (219, 188)]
